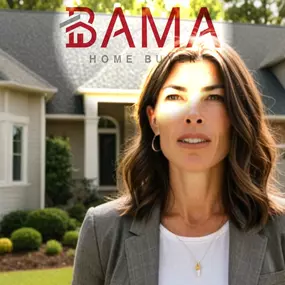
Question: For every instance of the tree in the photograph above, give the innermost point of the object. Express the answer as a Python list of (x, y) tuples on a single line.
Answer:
[(107, 6), (281, 11), (58, 171), (250, 11), (31, 4), (4, 4), (214, 7)]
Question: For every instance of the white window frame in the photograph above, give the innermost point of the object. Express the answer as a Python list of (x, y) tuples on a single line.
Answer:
[(9, 121)]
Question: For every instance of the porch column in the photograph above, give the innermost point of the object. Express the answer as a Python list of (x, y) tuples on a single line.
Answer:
[(91, 161)]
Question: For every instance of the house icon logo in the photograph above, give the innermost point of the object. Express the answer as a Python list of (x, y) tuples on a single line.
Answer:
[(73, 23)]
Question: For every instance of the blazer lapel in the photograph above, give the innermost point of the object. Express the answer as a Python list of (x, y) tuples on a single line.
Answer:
[(142, 251), (246, 255)]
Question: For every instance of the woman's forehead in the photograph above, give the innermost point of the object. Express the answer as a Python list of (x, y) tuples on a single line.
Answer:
[(193, 75)]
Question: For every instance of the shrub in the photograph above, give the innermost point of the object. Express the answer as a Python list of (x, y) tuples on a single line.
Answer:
[(26, 239), (72, 224), (77, 212), (58, 171), (53, 247), (70, 238), (70, 252), (52, 223), (6, 245), (13, 221)]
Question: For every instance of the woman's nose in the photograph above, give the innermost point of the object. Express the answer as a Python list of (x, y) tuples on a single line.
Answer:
[(194, 115)]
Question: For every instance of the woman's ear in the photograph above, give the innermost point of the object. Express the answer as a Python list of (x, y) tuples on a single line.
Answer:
[(152, 119)]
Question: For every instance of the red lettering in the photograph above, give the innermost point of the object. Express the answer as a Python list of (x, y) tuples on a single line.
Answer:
[(203, 12), (118, 12), (146, 14), (80, 43)]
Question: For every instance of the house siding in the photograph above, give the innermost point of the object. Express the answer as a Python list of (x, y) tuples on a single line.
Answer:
[(34, 151), (27, 195), (75, 131), (2, 100), (19, 104), (13, 198)]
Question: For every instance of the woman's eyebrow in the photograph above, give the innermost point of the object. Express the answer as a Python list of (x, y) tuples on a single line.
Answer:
[(184, 89)]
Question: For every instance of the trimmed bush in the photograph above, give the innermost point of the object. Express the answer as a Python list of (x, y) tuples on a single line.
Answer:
[(53, 247), (13, 221), (26, 239), (52, 223), (77, 212), (70, 238), (70, 252), (6, 245), (72, 224)]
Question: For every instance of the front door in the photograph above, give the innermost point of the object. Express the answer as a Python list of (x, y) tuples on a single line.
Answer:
[(107, 159)]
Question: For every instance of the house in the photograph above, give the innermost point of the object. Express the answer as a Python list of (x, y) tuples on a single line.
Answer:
[(87, 94)]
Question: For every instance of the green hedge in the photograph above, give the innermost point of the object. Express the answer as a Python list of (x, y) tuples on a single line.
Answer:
[(53, 247), (52, 223), (70, 238), (13, 221), (26, 239)]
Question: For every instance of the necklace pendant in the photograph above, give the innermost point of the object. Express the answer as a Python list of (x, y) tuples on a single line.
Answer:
[(198, 269)]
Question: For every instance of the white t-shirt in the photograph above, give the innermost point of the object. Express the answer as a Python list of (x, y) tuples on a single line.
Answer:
[(177, 264)]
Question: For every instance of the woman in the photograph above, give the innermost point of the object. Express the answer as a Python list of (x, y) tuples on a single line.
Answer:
[(199, 204)]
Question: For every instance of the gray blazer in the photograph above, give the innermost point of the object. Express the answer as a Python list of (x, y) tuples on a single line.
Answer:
[(114, 250)]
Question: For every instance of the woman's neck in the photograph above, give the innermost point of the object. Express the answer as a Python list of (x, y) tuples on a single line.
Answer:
[(195, 196)]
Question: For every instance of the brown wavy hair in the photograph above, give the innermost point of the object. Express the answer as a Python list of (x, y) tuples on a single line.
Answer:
[(250, 168)]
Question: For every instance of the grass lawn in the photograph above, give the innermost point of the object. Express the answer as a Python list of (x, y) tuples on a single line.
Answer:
[(61, 276)]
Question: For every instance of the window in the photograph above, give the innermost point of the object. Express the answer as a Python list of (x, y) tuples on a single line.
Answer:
[(13, 150), (17, 153)]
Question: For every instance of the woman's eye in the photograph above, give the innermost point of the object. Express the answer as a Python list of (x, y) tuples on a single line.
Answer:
[(215, 97), (172, 97)]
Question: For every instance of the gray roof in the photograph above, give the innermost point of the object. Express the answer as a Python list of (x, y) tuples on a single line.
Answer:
[(13, 70), (276, 54), (35, 39)]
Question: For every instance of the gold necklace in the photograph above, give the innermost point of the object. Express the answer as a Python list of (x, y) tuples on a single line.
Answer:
[(198, 267)]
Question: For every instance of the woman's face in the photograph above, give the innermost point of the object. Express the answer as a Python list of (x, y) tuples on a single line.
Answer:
[(191, 108)]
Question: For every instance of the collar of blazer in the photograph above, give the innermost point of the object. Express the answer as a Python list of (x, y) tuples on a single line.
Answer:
[(246, 252)]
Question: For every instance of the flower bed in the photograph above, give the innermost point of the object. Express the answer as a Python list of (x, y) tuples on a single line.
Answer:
[(35, 260)]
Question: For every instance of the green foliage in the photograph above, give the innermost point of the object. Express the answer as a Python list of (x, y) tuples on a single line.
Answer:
[(26, 239), (31, 5), (6, 245), (70, 252), (249, 12), (52, 223), (13, 221), (58, 171), (53, 247), (107, 6), (215, 8), (4, 4), (77, 212), (72, 224), (85, 192), (70, 238)]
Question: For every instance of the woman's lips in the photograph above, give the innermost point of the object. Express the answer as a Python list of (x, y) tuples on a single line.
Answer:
[(193, 145)]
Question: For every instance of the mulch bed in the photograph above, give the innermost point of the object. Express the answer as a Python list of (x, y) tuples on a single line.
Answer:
[(34, 260)]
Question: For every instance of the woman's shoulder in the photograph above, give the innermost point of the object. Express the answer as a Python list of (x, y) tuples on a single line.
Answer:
[(276, 223), (107, 216)]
